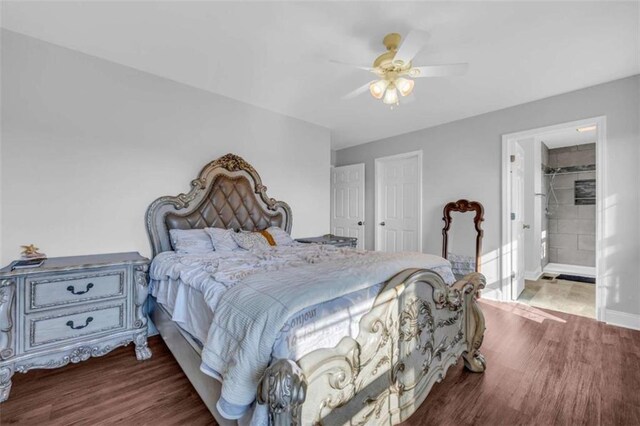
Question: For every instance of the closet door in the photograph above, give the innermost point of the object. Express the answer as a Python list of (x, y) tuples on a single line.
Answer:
[(399, 202), (347, 202)]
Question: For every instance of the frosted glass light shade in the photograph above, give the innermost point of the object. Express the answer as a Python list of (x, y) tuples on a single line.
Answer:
[(391, 95), (377, 88), (404, 85)]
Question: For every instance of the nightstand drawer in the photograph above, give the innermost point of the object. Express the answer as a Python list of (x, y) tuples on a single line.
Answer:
[(56, 327), (50, 291)]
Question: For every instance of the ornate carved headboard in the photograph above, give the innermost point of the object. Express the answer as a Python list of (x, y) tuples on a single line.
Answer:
[(228, 193)]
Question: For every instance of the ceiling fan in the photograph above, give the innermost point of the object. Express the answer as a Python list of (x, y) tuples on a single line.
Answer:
[(395, 70)]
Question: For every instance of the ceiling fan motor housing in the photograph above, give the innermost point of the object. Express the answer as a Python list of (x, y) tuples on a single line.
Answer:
[(384, 63)]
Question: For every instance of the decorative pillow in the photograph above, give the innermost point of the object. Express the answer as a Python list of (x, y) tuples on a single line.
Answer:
[(190, 241), (250, 240), (222, 239), (280, 236)]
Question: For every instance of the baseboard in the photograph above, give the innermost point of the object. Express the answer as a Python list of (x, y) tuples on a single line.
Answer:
[(622, 319), (533, 276), (560, 268), (492, 294)]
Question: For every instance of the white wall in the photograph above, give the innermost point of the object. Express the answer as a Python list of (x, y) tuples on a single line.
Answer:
[(87, 145), (462, 159)]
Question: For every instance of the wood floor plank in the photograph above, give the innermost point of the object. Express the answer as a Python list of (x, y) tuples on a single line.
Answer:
[(544, 368)]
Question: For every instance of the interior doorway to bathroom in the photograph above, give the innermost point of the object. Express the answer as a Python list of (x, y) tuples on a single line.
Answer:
[(551, 214)]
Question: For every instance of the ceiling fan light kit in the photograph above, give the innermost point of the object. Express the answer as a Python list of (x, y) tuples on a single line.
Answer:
[(378, 88), (404, 85), (395, 70), (391, 95)]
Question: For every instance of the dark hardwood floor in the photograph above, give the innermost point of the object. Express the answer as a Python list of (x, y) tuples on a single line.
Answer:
[(544, 368)]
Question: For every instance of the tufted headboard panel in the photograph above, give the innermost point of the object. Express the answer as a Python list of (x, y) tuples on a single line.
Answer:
[(231, 203), (227, 194)]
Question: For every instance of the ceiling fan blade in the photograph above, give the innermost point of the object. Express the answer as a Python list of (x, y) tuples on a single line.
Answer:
[(359, 91), (351, 65), (438, 70), (411, 45)]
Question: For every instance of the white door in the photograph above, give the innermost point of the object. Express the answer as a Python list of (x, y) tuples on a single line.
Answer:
[(347, 202), (517, 221), (399, 202)]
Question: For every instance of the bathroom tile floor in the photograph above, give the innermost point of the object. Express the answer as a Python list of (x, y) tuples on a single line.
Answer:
[(561, 295)]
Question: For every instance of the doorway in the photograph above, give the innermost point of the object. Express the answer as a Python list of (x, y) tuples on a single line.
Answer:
[(553, 210), (347, 202), (398, 189)]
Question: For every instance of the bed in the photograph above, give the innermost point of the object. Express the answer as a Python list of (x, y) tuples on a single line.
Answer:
[(313, 334)]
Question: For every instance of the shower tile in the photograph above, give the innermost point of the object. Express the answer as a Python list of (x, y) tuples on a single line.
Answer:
[(577, 158), (553, 226), (564, 181), (565, 196), (577, 257), (565, 241), (586, 227), (567, 226), (545, 154), (587, 147), (586, 175), (564, 211), (586, 242), (565, 149), (587, 212)]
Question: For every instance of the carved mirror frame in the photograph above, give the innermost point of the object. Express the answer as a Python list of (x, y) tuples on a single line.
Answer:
[(463, 206)]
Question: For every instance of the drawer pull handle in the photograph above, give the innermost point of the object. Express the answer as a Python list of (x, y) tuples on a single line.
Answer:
[(86, 323), (73, 290)]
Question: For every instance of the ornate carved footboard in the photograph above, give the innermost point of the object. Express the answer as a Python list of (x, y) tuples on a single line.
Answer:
[(417, 328)]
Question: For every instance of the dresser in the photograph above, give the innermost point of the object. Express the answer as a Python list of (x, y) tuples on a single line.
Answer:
[(331, 239), (70, 309)]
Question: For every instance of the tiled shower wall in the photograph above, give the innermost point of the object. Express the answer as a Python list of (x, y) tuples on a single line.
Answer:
[(571, 226)]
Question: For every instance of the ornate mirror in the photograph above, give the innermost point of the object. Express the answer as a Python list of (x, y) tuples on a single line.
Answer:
[(462, 236)]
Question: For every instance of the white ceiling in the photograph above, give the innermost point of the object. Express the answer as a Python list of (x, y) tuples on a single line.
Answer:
[(569, 137), (276, 55)]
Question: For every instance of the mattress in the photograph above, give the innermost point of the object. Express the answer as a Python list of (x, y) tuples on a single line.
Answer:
[(315, 327), (215, 296)]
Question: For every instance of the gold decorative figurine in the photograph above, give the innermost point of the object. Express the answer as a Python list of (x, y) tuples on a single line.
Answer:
[(31, 252)]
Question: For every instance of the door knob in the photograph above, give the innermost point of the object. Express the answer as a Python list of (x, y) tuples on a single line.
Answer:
[(360, 223), (382, 224), (526, 226)]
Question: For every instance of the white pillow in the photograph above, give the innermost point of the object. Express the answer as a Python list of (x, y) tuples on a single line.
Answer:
[(222, 239), (250, 240), (190, 241), (280, 236)]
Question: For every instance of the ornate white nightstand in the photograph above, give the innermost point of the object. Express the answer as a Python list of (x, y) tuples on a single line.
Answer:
[(70, 309)]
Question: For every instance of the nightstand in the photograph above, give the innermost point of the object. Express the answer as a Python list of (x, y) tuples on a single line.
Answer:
[(71, 309), (333, 240)]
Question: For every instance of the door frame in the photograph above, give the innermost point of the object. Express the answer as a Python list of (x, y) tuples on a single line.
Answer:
[(514, 287), (506, 287), (361, 241), (377, 197)]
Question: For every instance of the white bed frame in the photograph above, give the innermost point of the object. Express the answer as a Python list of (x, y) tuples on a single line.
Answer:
[(418, 327)]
